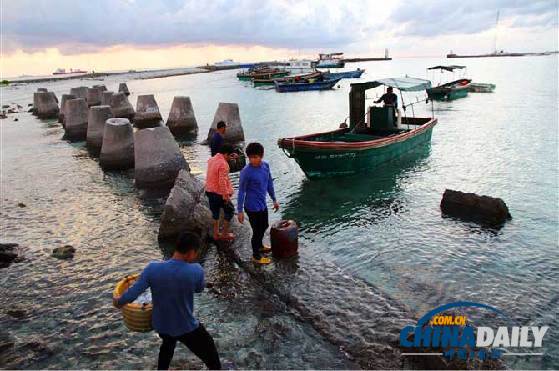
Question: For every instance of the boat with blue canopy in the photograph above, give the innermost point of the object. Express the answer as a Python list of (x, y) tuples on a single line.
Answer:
[(375, 134)]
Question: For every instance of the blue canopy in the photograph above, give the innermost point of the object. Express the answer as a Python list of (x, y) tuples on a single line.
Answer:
[(401, 83)]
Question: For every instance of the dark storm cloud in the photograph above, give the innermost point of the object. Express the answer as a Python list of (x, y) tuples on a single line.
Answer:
[(442, 17), (75, 26)]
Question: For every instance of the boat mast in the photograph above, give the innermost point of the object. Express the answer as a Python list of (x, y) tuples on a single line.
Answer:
[(496, 31)]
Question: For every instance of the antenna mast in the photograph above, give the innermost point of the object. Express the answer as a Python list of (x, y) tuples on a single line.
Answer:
[(496, 31)]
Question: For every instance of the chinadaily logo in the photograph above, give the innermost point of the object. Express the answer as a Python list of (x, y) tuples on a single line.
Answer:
[(448, 332)]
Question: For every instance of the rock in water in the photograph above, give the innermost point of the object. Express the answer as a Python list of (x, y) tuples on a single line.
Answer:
[(121, 107), (228, 113), (147, 112), (42, 90), (96, 126), (123, 88), (471, 206), (79, 92), (47, 105), (186, 209), (63, 100), (117, 151), (106, 98), (182, 121), (157, 158), (64, 252), (94, 96), (75, 120), (8, 254)]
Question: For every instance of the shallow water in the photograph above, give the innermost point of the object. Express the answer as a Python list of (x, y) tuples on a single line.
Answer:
[(384, 227)]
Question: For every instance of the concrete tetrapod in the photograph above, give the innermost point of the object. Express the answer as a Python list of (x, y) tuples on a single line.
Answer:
[(157, 158), (182, 121), (65, 98), (36, 99), (228, 113), (121, 107), (147, 112), (117, 151), (79, 92), (94, 96), (106, 97), (75, 119), (123, 88), (96, 119), (47, 105)]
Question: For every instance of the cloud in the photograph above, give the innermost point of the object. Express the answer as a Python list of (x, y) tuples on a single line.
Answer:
[(75, 26), (443, 17)]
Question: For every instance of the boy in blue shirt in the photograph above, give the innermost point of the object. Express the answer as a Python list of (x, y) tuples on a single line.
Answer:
[(254, 183), (173, 284)]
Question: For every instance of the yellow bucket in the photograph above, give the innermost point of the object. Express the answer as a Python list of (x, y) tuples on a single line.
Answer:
[(137, 317)]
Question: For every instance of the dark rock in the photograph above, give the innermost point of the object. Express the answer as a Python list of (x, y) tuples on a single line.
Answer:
[(186, 209), (16, 119), (16, 313), (8, 254), (21, 204), (470, 206), (29, 104), (6, 106), (64, 252)]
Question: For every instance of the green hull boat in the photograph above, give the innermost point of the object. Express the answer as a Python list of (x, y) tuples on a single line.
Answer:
[(450, 91), (367, 143), (323, 155)]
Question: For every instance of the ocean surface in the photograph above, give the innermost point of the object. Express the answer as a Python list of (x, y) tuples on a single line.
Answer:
[(383, 227)]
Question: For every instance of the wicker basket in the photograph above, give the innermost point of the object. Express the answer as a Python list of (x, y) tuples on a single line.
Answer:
[(137, 317)]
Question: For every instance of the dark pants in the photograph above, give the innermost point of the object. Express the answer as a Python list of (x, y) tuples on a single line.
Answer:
[(259, 223), (217, 203), (199, 341)]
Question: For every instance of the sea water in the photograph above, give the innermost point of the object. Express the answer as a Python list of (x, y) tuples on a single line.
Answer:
[(384, 227)]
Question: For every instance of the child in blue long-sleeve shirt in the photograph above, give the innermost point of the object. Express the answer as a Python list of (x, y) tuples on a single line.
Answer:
[(255, 182)]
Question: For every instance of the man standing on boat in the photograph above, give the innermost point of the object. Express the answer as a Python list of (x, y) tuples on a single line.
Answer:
[(389, 98), (217, 138)]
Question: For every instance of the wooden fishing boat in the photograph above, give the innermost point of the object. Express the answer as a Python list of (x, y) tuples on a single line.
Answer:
[(371, 139), (479, 87), (458, 88), (305, 85), (270, 82), (267, 73), (345, 75)]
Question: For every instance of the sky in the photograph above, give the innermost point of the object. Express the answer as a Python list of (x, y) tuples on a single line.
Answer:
[(39, 36)]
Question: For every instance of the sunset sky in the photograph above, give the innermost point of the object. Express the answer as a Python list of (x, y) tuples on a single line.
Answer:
[(39, 36)]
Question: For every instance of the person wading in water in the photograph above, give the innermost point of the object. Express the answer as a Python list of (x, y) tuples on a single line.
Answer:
[(173, 284)]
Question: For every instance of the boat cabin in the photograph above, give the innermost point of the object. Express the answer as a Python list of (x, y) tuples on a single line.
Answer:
[(382, 120)]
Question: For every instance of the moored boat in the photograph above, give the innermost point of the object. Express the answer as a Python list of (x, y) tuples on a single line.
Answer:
[(479, 87), (371, 139), (270, 82), (451, 90), (331, 60), (305, 85), (261, 73), (345, 75)]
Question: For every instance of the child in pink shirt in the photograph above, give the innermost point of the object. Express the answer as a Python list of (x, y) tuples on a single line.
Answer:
[(220, 190)]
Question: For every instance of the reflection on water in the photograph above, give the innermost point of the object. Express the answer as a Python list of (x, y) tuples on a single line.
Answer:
[(359, 200)]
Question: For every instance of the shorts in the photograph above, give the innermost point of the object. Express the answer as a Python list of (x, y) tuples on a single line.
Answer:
[(217, 203)]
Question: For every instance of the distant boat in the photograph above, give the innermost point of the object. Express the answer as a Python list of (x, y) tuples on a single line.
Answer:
[(266, 82), (300, 66), (305, 85), (451, 90), (62, 71), (479, 87), (332, 60), (345, 75), (230, 64)]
